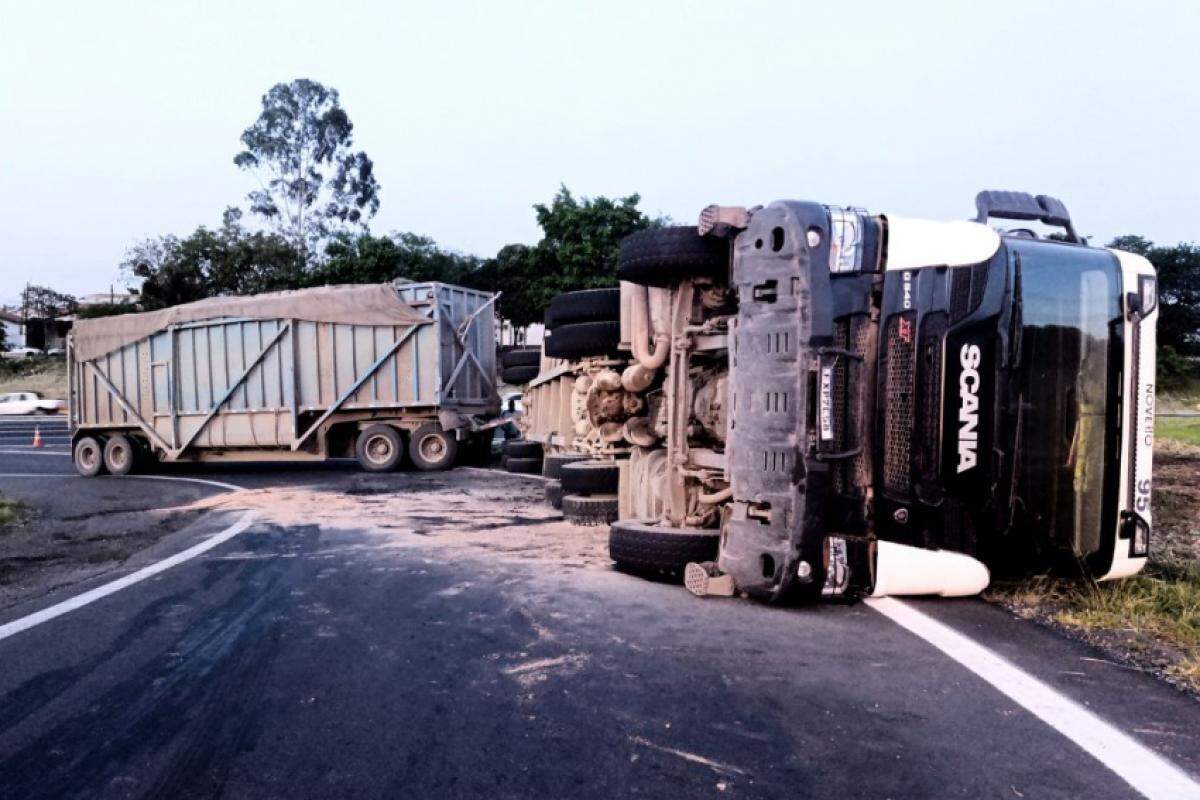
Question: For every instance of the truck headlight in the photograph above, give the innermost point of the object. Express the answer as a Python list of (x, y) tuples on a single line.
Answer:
[(845, 240)]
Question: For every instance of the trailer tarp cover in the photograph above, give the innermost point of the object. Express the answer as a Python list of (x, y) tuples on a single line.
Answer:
[(352, 304)]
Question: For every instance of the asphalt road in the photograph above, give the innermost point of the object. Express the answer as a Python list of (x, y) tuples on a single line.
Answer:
[(304, 661)]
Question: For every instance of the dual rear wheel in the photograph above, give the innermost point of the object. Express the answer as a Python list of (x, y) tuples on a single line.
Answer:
[(381, 448), (95, 455)]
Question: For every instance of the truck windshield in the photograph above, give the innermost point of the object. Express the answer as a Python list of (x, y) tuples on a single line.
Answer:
[(1066, 371)]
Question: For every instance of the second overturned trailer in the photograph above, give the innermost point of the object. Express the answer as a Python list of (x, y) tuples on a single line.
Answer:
[(380, 372)]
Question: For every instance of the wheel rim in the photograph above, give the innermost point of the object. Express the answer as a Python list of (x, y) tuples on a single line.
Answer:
[(119, 456), (431, 447), (378, 449), (88, 456)]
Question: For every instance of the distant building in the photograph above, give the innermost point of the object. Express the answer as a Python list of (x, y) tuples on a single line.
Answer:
[(14, 328)]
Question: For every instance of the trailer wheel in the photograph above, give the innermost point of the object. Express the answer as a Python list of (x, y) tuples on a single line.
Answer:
[(523, 448), (120, 454), (592, 510), (642, 546), (521, 357), (432, 448), (379, 448), (518, 376), (590, 477), (553, 463), (89, 457), (554, 494), (583, 339), (663, 256), (525, 465), (586, 305)]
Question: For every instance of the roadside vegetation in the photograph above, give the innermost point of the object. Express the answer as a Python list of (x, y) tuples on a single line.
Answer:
[(48, 376), (1151, 621), (10, 512)]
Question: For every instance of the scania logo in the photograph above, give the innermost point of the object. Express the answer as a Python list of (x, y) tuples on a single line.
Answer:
[(968, 409)]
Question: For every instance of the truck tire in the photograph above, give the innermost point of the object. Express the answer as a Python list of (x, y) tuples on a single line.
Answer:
[(587, 305), (88, 455), (379, 448), (432, 448), (517, 376), (590, 477), (524, 465), (523, 448), (554, 494), (521, 357), (120, 454), (590, 510), (583, 339), (552, 464), (641, 546), (663, 256)]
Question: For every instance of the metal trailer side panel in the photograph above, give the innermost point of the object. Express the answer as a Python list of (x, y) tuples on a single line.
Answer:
[(260, 383)]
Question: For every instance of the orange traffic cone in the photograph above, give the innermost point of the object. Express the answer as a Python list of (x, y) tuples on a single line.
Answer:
[(37, 437)]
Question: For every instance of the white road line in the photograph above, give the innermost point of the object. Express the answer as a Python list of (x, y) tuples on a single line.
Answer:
[(1149, 773), (219, 484), (79, 601), (35, 452)]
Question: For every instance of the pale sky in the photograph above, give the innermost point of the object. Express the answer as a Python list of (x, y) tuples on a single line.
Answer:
[(120, 120)]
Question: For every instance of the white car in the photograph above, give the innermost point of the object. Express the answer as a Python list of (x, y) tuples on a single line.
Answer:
[(23, 352), (30, 403)]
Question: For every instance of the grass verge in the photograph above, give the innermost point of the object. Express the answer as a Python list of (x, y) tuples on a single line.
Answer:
[(1185, 430), (47, 376), (10, 512)]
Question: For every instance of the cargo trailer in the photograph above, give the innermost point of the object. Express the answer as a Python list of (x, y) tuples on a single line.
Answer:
[(379, 372)]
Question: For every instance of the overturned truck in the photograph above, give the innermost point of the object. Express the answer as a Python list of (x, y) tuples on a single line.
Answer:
[(840, 403), (385, 373)]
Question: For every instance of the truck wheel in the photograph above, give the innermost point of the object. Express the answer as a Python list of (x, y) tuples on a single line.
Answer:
[(89, 457), (432, 448), (552, 464), (120, 454), (588, 305), (591, 510), (554, 494), (663, 256), (516, 376), (641, 546), (523, 465), (590, 477), (523, 448), (521, 357), (583, 339), (379, 448)]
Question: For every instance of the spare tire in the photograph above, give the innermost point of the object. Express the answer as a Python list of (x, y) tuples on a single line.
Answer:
[(516, 376), (590, 477), (583, 339), (587, 305), (643, 546), (664, 256), (521, 357)]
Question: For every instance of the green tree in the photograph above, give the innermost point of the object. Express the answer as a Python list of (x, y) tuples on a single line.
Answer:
[(207, 263), (578, 250), (311, 182), (42, 302), (364, 258)]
